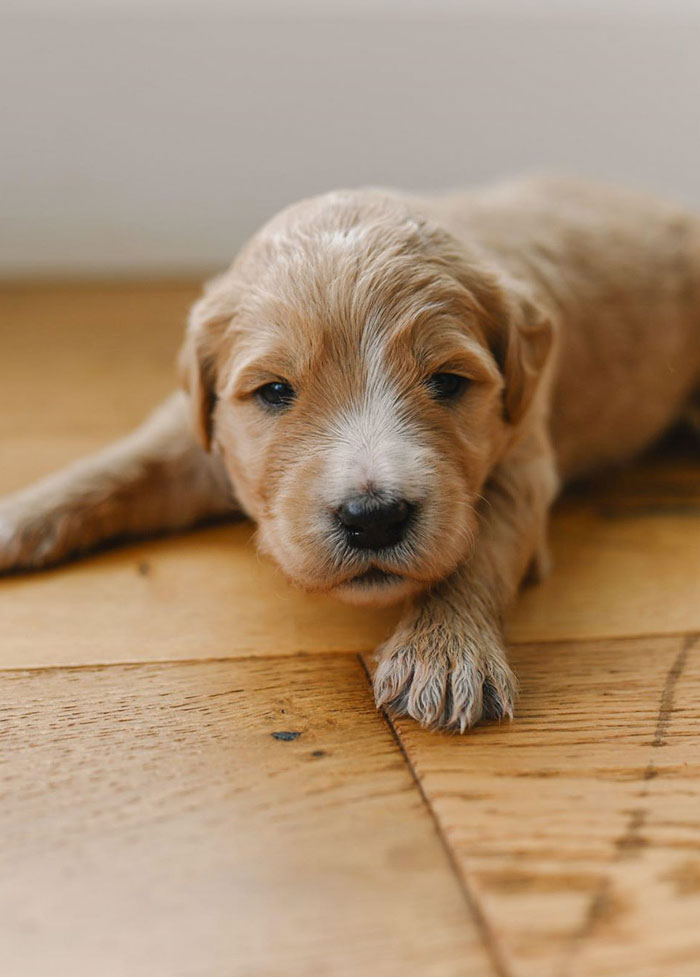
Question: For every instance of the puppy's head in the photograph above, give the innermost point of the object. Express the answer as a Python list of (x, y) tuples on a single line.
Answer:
[(360, 374)]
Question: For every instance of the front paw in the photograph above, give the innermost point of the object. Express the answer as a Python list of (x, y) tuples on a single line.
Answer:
[(445, 678), (30, 536)]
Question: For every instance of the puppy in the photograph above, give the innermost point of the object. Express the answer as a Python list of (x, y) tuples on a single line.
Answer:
[(395, 387)]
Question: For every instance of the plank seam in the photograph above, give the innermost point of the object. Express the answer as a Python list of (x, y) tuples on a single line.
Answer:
[(488, 936), (172, 662), (690, 634)]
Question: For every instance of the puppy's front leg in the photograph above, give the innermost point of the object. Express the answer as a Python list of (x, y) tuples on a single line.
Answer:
[(156, 479), (446, 665)]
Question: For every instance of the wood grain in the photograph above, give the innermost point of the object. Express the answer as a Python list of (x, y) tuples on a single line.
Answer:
[(626, 551), (83, 363), (153, 825), (577, 827)]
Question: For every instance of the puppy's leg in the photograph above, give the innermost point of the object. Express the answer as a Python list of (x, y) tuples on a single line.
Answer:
[(158, 478), (446, 665)]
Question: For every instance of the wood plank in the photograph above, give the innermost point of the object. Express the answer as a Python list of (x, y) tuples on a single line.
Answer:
[(626, 551), (577, 827), (83, 362), (202, 595), (153, 825)]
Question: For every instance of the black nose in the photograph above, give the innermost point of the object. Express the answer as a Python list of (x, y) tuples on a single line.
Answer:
[(370, 523)]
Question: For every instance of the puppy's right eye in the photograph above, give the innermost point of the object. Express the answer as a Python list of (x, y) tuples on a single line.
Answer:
[(446, 386), (277, 395)]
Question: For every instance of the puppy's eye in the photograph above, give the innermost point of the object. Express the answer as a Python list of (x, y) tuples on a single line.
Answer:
[(447, 386), (277, 395)]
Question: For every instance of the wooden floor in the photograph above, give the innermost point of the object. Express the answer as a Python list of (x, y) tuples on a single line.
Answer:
[(195, 781)]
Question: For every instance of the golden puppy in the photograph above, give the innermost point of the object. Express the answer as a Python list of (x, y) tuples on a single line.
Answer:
[(394, 388)]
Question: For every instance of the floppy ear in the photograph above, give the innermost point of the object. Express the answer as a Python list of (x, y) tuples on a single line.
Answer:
[(523, 344), (517, 330), (207, 323), (198, 377)]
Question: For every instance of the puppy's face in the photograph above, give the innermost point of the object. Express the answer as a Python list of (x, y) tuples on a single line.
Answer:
[(343, 371)]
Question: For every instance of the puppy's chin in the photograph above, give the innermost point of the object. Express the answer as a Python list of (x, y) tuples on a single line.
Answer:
[(376, 589)]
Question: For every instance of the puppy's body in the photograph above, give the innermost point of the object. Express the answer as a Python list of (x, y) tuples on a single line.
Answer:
[(394, 387)]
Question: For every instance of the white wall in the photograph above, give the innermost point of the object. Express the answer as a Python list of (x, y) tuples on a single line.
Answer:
[(154, 136)]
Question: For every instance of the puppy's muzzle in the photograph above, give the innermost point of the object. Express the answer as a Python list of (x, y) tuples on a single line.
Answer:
[(372, 523)]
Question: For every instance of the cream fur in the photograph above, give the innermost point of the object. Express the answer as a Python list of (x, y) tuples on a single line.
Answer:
[(573, 309)]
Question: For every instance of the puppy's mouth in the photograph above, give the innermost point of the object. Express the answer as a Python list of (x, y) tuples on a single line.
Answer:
[(374, 577), (376, 587)]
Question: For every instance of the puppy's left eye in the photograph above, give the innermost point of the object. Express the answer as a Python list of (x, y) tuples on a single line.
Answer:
[(276, 395), (446, 386)]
